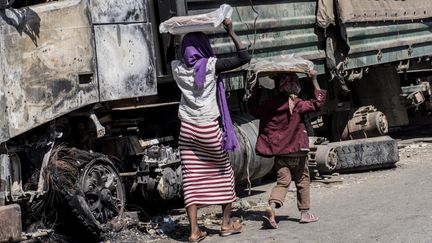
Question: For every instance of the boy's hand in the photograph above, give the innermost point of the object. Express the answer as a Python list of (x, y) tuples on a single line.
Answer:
[(312, 73)]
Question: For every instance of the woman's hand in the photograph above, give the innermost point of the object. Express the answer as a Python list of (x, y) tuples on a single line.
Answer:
[(228, 25)]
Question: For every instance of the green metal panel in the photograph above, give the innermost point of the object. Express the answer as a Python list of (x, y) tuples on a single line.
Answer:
[(414, 88), (378, 43), (281, 27), (289, 27)]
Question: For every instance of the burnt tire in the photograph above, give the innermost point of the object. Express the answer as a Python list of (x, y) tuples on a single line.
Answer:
[(81, 198), (82, 217), (100, 179)]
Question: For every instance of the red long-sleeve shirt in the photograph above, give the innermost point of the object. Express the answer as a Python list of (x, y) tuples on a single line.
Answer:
[(280, 132)]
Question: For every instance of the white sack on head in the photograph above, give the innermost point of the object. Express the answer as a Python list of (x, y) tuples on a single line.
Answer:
[(196, 23), (279, 64), (259, 70)]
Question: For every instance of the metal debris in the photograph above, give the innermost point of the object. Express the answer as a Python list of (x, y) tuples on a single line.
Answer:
[(37, 234)]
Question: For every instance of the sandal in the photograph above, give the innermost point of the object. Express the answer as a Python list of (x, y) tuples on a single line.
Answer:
[(202, 235), (268, 222), (307, 217), (235, 228)]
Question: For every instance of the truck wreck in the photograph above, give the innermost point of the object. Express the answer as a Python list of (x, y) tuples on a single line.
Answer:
[(86, 89)]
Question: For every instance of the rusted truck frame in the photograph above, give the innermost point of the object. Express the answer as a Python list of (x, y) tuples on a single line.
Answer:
[(95, 75)]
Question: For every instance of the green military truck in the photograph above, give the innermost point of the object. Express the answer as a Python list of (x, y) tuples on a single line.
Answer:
[(90, 107)]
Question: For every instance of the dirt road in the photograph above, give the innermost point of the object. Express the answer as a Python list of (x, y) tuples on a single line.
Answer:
[(382, 206)]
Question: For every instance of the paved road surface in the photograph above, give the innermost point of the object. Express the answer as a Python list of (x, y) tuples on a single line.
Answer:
[(384, 206)]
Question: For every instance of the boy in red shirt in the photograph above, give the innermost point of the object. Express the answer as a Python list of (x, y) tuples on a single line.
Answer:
[(282, 134)]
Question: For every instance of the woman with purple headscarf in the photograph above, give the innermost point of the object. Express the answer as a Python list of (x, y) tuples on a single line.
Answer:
[(206, 132)]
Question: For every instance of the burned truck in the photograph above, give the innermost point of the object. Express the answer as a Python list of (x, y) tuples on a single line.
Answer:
[(90, 107)]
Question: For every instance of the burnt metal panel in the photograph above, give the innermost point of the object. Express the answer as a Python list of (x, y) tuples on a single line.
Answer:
[(4, 124), (119, 11), (125, 59), (270, 28), (48, 62), (378, 43)]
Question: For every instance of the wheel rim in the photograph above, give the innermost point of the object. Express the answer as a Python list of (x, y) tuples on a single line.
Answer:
[(103, 190)]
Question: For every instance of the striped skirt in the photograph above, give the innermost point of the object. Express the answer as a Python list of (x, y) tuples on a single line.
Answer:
[(208, 177)]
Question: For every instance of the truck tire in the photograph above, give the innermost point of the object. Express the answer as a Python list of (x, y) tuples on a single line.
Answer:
[(85, 186), (356, 155), (83, 217), (365, 154)]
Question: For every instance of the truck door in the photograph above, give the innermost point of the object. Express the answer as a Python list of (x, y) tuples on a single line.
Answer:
[(124, 48), (46, 63)]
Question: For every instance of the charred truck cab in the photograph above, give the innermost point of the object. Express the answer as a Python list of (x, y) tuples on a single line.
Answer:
[(89, 106), (90, 111)]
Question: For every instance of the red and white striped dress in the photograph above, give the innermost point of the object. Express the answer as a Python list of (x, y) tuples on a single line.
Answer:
[(208, 177)]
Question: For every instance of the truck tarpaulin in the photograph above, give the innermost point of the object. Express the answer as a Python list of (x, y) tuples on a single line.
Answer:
[(350, 11), (325, 13), (382, 10)]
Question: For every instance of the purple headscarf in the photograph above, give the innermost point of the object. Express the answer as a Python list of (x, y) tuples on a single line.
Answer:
[(196, 51)]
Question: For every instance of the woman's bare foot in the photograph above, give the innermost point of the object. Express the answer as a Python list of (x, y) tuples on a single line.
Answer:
[(269, 220), (197, 236), (235, 227)]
